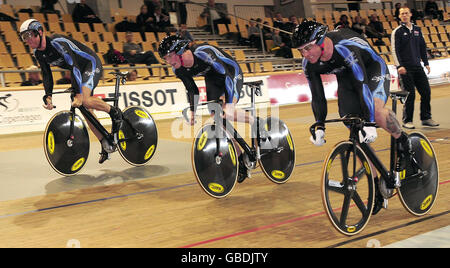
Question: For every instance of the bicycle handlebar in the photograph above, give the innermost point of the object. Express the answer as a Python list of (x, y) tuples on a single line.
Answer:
[(359, 122), (185, 110)]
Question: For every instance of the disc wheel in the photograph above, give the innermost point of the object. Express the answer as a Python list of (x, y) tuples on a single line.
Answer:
[(138, 136), (418, 193), (215, 161), (277, 152), (67, 157)]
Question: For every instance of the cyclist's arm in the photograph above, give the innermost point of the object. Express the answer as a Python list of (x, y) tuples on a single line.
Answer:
[(191, 91), (355, 63), (318, 102), (47, 77)]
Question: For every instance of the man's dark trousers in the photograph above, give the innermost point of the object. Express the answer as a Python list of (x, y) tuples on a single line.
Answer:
[(415, 77)]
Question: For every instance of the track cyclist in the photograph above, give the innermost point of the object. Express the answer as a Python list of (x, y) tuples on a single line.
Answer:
[(223, 79), (363, 82), (86, 71)]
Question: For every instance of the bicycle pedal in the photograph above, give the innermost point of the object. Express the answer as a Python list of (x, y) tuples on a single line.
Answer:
[(397, 182), (249, 164), (385, 203), (384, 190)]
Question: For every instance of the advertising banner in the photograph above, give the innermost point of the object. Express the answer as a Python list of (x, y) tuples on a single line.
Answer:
[(22, 111)]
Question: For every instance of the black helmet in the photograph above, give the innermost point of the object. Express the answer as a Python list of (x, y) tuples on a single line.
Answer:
[(308, 31), (172, 43)]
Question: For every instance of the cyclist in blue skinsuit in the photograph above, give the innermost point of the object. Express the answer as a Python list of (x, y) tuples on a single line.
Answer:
[(223, 78), (86, 70), (363, 81)]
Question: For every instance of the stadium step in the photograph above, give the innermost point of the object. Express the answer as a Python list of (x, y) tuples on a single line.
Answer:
[(251, 54)]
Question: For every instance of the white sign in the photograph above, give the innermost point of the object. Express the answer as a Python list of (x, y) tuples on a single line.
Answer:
[(22, 111)]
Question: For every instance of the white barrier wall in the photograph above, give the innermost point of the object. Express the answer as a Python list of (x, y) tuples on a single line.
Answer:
[(22, 111)]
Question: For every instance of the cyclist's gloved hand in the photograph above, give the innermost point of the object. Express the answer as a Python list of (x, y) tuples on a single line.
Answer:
[(320, 137), (48, 102), (370, 135)]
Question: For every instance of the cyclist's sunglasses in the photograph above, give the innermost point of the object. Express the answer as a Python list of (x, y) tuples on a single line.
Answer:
[(307, 47), (27, 35)]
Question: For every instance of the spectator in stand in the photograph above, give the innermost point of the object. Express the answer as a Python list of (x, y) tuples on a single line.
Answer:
[(144, 20), (278, 21), (215, 13), (375, 28), (397, 11), (132, 75), (254, 35), (289, 27), (34, 77), (291, 24), (342, 23), (82, 13), (66, 79), (152, 4), (48, 6), (133, 52), (184, 33), (179, 6), (358, 26), (432, 9), (161, 21), (267, 32), (280, 48)]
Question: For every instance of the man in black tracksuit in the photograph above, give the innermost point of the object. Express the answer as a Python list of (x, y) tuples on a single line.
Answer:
[(408, 49)]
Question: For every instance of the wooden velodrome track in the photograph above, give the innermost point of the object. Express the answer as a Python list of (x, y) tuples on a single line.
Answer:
[(173, 211)]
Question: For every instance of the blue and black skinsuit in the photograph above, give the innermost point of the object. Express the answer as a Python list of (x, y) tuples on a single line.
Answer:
[(222, 73), (67, 53), (360, 72)]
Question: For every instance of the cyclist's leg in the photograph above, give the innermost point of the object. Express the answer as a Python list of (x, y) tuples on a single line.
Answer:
[(379, 83), (88, 104), (91, 102), (386, 119), (89, 82)]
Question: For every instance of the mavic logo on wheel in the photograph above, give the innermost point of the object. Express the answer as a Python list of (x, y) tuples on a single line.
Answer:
[(123, 144), (78, 164), (149, 152), (202, 141), (278, 174), (215, 187), (51, 142), (426, 202), (141, 114), (232, 155), (426, 147), (289, 140), (367, 167)]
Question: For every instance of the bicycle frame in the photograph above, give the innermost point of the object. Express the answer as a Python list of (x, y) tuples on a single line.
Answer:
[(120, 77), (367, 149), (219, 120)]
